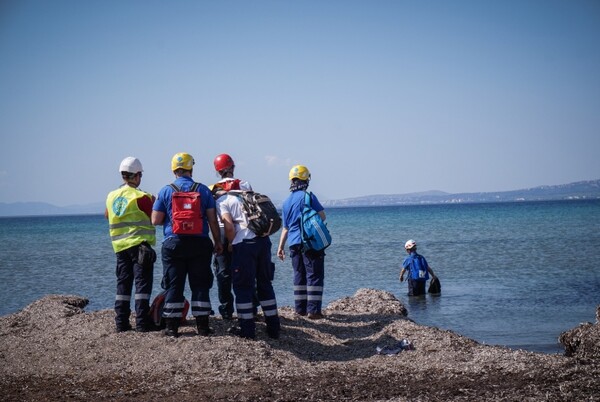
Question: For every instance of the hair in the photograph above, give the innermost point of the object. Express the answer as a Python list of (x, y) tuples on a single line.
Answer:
[(227, 172), (181, 172), (128, 175), (298, 184)]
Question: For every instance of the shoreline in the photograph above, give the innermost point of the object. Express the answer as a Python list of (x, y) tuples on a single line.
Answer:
[(543, 348), (54, 350)]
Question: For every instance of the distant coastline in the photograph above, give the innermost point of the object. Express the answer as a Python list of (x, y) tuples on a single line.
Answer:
[(582, 190)]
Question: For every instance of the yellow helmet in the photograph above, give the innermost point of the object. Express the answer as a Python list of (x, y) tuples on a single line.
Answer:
[(182, 160), (300, 172)]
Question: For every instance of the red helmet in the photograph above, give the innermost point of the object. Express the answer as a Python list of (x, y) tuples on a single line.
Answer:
[(223, 162)]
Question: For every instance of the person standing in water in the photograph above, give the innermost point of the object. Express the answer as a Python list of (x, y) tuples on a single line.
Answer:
[(418, 270)]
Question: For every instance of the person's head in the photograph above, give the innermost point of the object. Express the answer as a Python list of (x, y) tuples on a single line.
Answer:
[(410, 246), (299, 177), (182, 164), (131, 171), (224, 165)]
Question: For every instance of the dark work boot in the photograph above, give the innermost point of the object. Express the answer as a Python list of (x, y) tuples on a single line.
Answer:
[(273, 326), (172, 327), (202, 325), (122, 323), (123, 328), (226, 311)]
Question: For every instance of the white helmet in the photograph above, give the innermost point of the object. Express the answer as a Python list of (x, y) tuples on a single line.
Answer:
[(410, 244), (131, 165)]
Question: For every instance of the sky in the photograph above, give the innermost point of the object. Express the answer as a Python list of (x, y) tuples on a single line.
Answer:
[(374, 97)]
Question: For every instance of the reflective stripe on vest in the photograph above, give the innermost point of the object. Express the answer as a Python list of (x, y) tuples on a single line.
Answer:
[(128, 225)]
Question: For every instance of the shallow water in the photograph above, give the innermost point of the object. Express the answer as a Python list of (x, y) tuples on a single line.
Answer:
[(514, 274)]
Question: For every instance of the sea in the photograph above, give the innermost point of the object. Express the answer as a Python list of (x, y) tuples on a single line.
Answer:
[(512, 274)]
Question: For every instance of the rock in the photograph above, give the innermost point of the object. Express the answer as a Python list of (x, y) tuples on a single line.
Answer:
[(369, 301), (583, 341)]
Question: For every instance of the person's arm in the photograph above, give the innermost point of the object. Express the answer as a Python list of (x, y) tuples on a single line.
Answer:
[(157, 218), (282, 240), (430, 271), (145, 204), (229, 229), (316, 205), (211, 214), (405, 266)]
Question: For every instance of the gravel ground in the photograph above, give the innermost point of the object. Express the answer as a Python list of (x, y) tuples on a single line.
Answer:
[(53, 350)]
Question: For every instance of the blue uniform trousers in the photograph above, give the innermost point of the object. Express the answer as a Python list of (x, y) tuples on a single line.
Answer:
[(129, 271), (252, 273), (416, 287), (187, 256), (309, 277), (222, 264)]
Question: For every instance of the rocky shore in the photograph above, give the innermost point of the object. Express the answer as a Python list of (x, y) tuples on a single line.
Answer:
[(53, 350)]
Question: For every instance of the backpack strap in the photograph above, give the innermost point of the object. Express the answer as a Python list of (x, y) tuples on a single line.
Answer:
[(307, 199), (177, 189)]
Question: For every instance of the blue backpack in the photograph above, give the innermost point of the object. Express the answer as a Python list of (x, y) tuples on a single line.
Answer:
[(418, 268), (315, 235)]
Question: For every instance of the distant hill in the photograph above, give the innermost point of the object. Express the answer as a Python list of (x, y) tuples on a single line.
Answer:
[(573, 191), (42, 208)]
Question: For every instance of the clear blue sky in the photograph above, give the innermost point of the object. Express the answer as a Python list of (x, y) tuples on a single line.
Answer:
[(373, 96)]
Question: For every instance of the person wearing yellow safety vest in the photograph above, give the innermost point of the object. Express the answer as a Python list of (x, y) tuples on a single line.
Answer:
[(128, 210)]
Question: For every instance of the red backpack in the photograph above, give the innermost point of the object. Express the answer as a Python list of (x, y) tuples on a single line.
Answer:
[(230, 184), (187, 211), (157, 306), (221, 188)]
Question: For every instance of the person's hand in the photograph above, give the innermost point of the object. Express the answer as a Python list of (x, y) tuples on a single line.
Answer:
[(281, 254), (218, 248), (402, 277)]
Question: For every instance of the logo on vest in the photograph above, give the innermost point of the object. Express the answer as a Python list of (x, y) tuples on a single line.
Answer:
[(187, 206), (119, 206)]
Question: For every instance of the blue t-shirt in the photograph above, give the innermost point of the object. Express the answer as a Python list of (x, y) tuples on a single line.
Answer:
[(292, 215), (163, 204)]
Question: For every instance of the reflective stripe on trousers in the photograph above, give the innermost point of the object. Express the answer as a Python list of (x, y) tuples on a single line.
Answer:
[(187, 257), (309, 276), (128, 273), (252, 272)]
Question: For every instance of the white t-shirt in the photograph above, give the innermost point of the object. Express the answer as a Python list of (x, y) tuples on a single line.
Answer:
[(232, 205), (244, 186)]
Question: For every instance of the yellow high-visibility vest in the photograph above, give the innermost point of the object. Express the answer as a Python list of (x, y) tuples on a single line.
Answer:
[(128, 224)]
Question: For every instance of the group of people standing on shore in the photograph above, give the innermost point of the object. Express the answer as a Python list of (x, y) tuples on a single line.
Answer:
[(214, 227)]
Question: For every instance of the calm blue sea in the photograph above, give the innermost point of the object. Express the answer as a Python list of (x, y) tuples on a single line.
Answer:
[(513, 274)]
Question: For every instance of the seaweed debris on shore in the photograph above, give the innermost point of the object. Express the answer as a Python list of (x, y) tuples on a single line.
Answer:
[(54, 350)]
